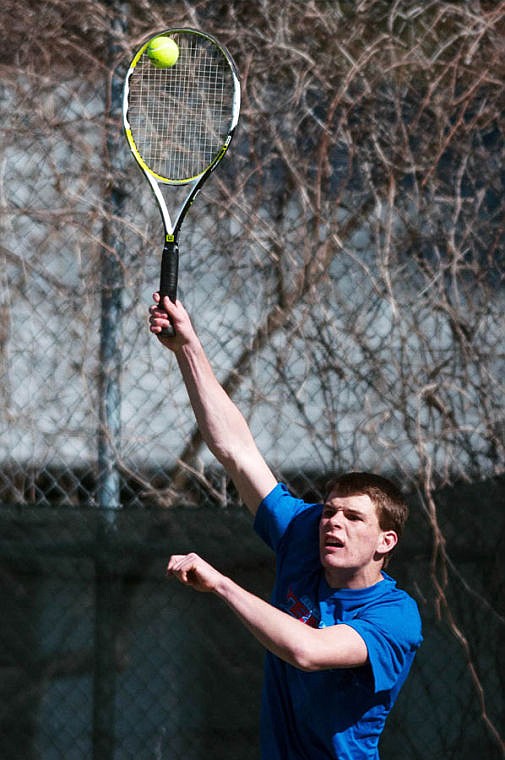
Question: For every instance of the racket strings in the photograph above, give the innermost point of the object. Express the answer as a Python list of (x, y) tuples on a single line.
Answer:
[(180, 117)]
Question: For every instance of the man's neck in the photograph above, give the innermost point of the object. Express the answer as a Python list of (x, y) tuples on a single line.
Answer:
[(364, 578)]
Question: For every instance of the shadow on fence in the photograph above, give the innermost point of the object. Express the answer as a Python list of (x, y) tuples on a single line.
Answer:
[(102, 657)]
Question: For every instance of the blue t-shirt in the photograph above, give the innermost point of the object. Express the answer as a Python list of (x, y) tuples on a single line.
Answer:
[(338, 713)]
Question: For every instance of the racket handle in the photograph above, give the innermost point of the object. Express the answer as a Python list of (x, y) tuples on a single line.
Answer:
[(168, 277)]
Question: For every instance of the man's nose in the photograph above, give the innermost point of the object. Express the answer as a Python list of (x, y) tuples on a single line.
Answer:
[(336, 518)]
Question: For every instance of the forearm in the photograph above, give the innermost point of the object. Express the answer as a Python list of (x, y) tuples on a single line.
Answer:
[(223, 427), (221, 423), (306, 648), (275, 630), (300, 645)]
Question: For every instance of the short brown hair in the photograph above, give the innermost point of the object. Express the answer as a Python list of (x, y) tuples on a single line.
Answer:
[(392, 509)]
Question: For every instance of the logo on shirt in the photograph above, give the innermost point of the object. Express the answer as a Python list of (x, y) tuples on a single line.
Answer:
[(302, 609)]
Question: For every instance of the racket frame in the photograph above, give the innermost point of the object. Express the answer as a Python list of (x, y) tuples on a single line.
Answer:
[(172, 224)]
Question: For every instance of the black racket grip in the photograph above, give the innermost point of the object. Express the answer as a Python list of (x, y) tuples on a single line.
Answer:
[(168, 278)]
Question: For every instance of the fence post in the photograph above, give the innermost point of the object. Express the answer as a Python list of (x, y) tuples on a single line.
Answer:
[(109, 431), (107, 585)]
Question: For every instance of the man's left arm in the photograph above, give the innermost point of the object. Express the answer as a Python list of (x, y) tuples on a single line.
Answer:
[(306, 648)]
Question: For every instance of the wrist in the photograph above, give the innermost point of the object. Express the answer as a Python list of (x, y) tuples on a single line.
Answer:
[(189, 349), (223, 587)]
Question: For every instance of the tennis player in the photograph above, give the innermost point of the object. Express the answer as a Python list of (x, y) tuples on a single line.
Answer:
[(340, 635)]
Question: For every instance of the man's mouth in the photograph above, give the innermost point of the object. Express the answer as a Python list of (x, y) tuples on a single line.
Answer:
[(334, 543)]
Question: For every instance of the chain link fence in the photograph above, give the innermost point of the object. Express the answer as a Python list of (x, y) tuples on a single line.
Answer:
[(344, 269)]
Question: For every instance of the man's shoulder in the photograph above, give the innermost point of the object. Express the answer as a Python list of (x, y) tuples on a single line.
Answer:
[(283, 517), (388, 593), (390, 606)]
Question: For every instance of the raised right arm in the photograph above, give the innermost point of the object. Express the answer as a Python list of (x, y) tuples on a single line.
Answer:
[(222, 425)]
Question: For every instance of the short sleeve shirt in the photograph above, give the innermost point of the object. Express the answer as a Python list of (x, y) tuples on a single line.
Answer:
[(337, 713)]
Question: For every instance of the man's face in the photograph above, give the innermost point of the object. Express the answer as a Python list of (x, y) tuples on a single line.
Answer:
[(351, 542)]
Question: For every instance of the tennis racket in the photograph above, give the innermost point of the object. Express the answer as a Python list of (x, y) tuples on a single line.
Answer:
[(179, 122)]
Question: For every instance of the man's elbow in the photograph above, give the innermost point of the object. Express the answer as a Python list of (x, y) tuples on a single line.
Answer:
[(311, 659), (302, 658)]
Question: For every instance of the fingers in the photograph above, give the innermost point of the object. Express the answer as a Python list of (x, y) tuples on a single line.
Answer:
[(166, 304), (179, 564), (165, 313), (160, 317), (183, 567), (166, 308), (192, 570)]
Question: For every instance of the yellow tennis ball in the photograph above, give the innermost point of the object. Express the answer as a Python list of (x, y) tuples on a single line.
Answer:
[(163, 52)]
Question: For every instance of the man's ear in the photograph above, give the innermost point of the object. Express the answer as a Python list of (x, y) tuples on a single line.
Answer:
[(387, 541)]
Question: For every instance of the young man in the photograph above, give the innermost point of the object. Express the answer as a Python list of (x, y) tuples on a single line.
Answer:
[(340, 636)]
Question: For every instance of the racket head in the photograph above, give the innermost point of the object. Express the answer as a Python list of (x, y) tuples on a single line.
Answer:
[(179, 121)]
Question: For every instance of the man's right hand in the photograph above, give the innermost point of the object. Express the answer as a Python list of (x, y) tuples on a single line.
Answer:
[(165, 314)]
